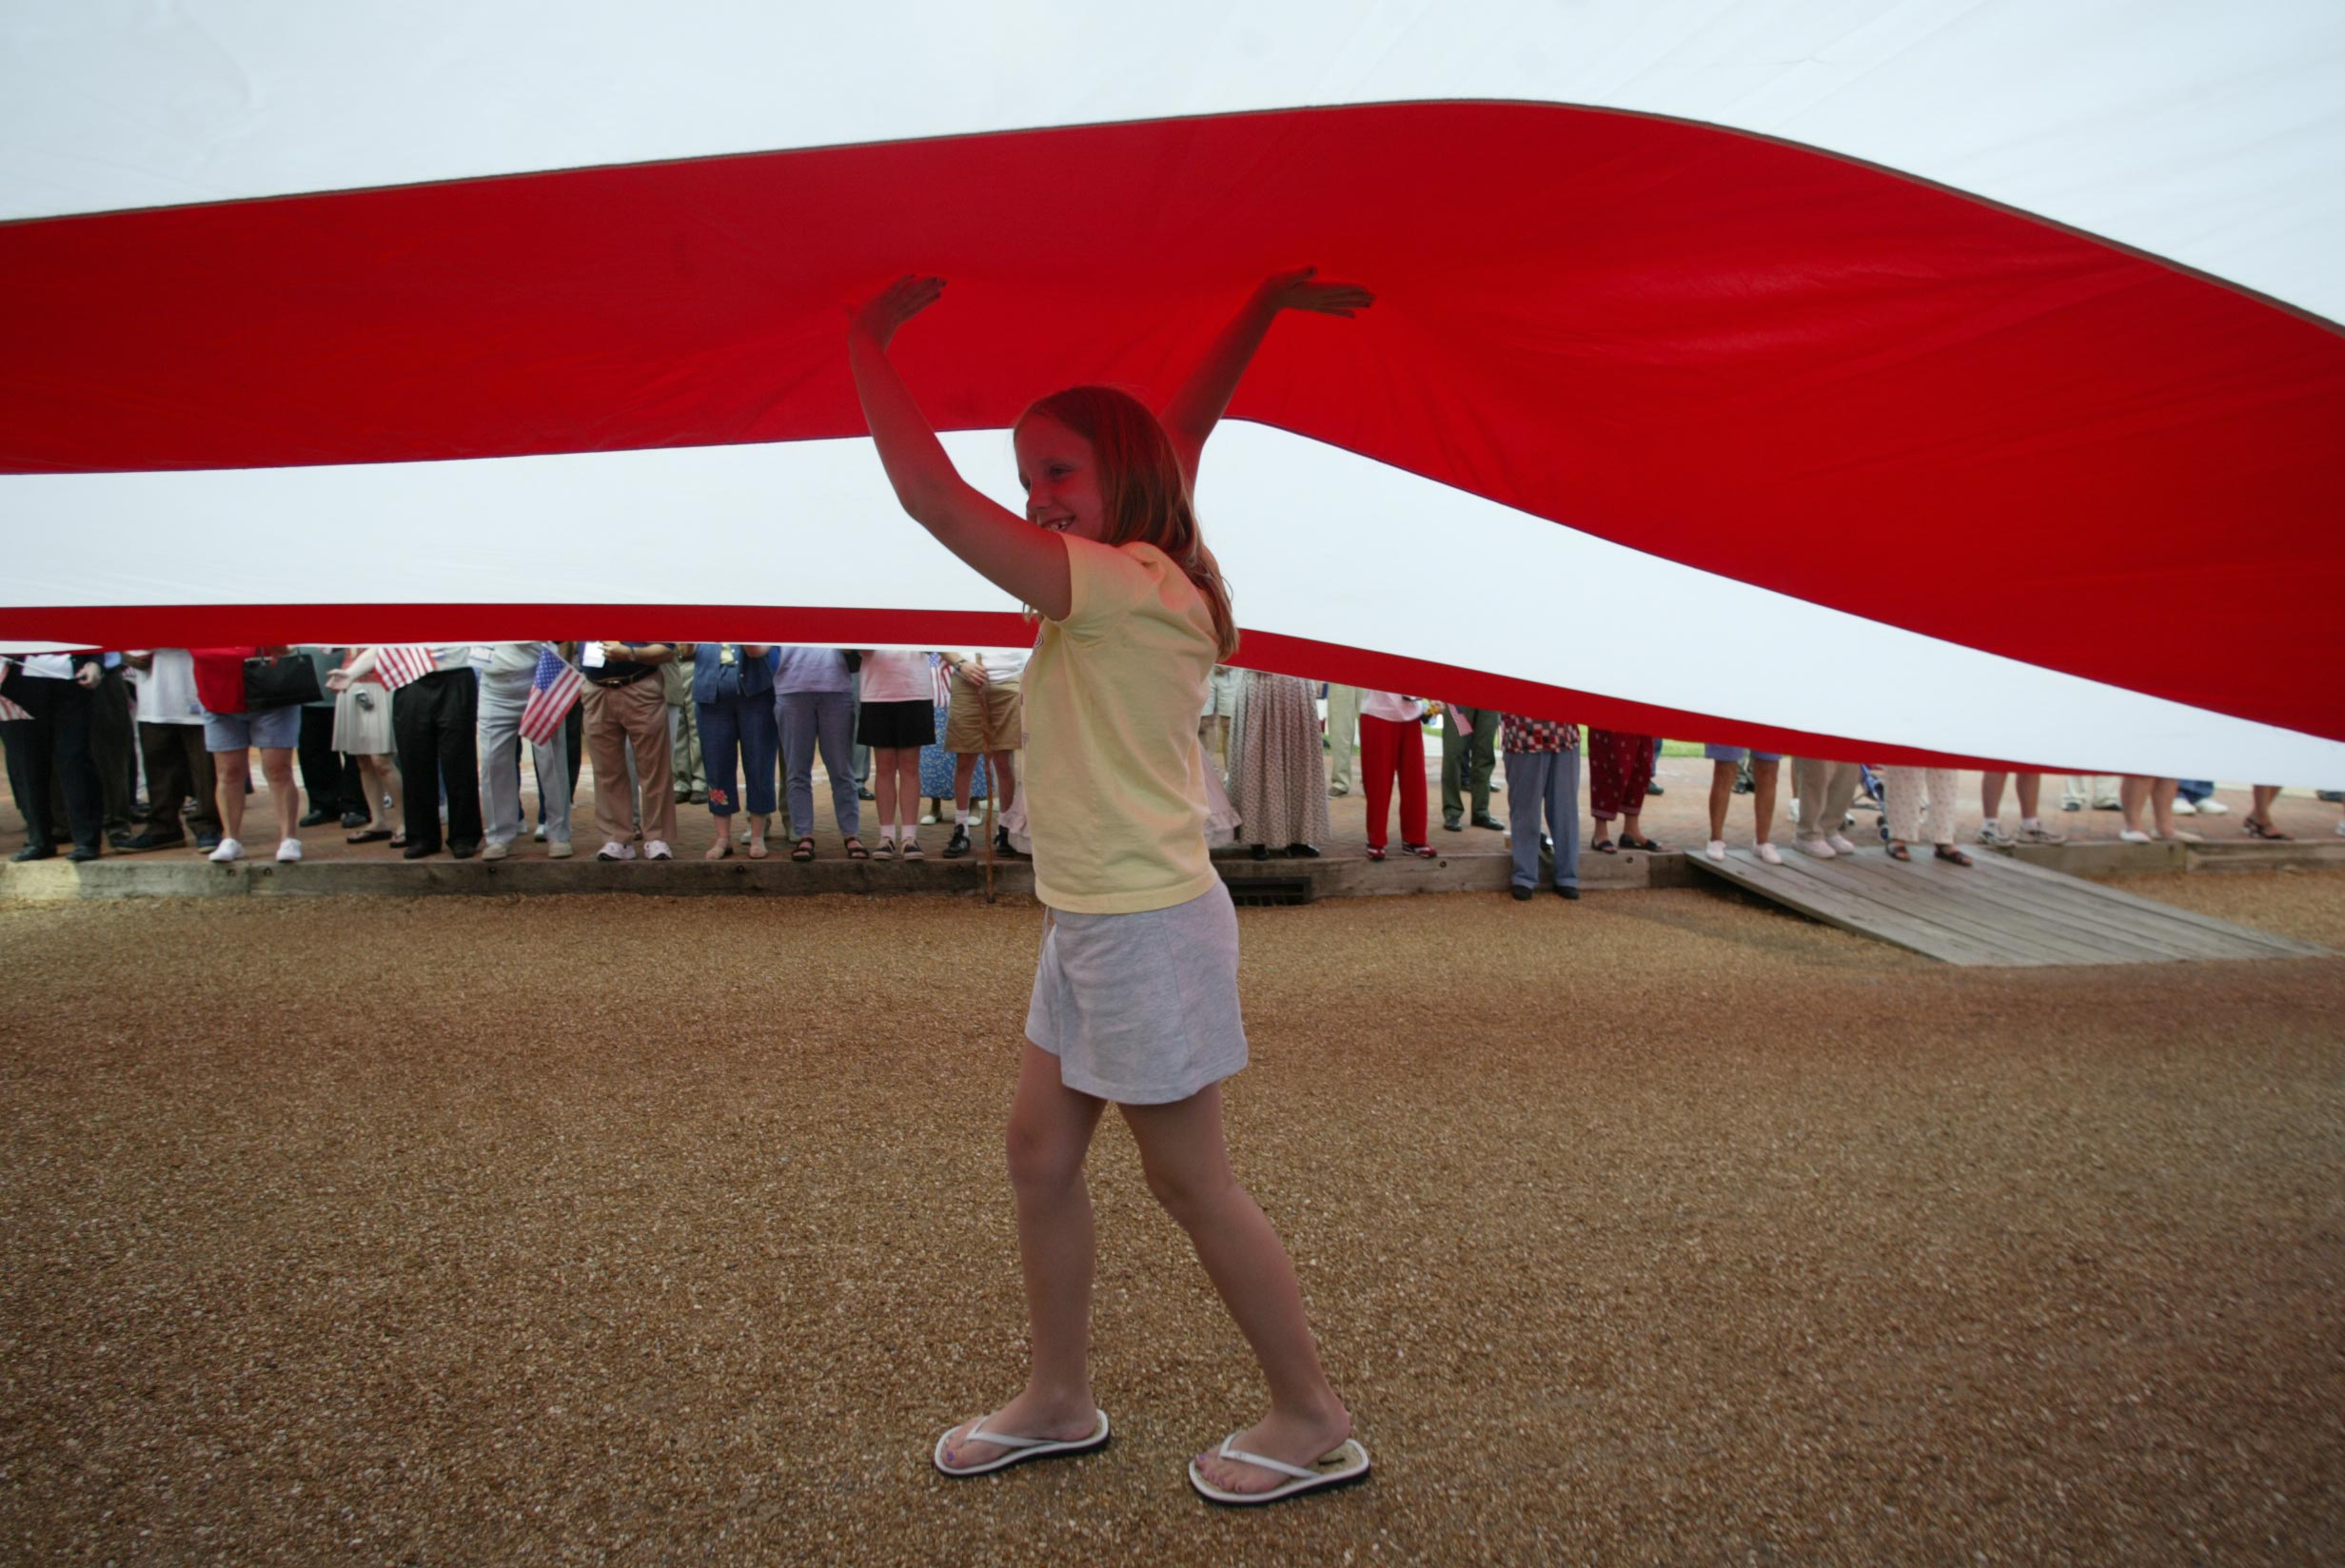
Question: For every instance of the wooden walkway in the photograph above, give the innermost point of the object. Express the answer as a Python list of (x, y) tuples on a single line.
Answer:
[(1996, 911)]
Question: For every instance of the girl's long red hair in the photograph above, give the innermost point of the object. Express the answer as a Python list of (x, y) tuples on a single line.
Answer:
[(1141, 491)]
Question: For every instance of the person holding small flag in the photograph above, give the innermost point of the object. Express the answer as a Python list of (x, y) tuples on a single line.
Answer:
[(435, 713), (526, 690)]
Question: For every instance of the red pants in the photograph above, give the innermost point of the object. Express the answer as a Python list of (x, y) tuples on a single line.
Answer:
[(1388, 747), (1619, 768)]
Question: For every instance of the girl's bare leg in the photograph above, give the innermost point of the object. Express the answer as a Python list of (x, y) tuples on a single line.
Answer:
[(1188, 1166), (1050, 1132), (908, 789), (883, 788)]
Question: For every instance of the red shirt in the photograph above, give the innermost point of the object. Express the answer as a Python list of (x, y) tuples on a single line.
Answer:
[(220, 678)]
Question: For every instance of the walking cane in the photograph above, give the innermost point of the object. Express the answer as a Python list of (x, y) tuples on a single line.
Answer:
[(991, 817)]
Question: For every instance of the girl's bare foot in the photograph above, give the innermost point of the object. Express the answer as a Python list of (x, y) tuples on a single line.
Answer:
[(1028, 1416), (720, 849), (1294, 1438)]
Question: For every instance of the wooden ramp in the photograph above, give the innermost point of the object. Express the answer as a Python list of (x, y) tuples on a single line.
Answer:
[(1995, 910)]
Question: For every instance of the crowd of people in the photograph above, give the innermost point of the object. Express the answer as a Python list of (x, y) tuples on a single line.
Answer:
[(152, 749), (418, 747)]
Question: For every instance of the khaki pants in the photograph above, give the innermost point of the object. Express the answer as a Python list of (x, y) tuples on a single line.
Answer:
[(619, 718), (1825, 791)]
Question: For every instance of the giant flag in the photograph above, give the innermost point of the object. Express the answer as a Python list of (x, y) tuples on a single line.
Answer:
[(1932, 377)]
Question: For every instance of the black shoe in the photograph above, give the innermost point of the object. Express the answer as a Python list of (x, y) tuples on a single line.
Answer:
[(465, 850), (1451, 824), (1483, 819), (81, 852), (1001, 842), (418, 851), (139, 809), (1522, 893), (1261, 852), (118, 837), (316, 816), (1302, 851), (151, 840), (1653, 787), (207, 842), (355, 819), (34, 851), (862, 794), (958, 845), (1572, 893)]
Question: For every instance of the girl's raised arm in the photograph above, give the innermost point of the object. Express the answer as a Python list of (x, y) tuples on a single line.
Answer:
[(1199, 405), (1006, 550)]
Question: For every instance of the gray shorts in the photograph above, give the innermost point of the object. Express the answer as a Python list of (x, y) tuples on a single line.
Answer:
[(1141, 1008), (271, 729), (1736, 753)]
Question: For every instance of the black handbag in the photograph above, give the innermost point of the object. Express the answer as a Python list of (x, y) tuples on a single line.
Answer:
[(279, 683)]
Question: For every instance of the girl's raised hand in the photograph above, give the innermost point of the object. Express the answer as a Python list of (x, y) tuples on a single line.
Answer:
[(894, 305), (1301, 289)]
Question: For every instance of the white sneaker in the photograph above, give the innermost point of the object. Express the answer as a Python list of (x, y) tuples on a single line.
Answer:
[(539, 834), (1769, 853), (1815, 847), (2041, 835), (616, 850), (1993, 836), (2209, 807), (928, 819), (558, 849), (1840, 845), (658, 849), (289, 850), (229, 850), (2183, 808), (494, 851), (2133, 835), (2341, 826), (1717, 849)]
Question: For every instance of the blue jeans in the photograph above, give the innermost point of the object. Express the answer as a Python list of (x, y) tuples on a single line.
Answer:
[(746, 726), (828, 717), (1549, 781), (2194, 789)]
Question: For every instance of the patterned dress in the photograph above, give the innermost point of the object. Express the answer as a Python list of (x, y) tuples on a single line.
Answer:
[(1620, 766), (1278, 777)]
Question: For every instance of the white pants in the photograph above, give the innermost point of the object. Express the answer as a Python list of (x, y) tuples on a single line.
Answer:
[(1904, 788)]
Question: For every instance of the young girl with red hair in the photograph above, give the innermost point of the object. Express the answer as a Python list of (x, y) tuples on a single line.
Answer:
[(1135, 993)]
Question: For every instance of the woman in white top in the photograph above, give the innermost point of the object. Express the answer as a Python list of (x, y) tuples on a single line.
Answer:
[(1392, 747), (899, 718), (1135, 993)]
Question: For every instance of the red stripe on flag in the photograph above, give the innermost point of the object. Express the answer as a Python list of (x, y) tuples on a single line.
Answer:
[(1783, 366)]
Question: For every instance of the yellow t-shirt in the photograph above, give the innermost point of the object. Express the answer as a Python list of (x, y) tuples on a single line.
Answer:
[(1114, 777)]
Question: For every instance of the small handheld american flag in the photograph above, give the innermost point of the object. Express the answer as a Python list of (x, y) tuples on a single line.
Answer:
[(403, 662), (551, 691)]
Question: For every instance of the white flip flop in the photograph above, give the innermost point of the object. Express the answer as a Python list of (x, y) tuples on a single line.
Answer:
[(1341, 1466), (1020, 1449)]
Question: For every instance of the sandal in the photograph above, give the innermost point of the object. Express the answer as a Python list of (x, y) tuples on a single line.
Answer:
[(1423, 851), (372, 835), (720, 849), (2247, 825), (1375, 851), (803, 848), (1630, 842), (1898, 852), (1020, 1449), (1341, 1466), (1603, 846), (1948, 852), (756, 847), (855, 850)]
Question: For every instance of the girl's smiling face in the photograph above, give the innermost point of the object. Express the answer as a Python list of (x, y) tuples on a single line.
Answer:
[(1061, 478)]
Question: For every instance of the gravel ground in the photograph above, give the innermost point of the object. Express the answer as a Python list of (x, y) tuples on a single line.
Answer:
[(1652, 1228)]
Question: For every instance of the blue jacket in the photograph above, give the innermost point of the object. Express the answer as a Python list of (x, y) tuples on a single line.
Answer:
[(714, 680)]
